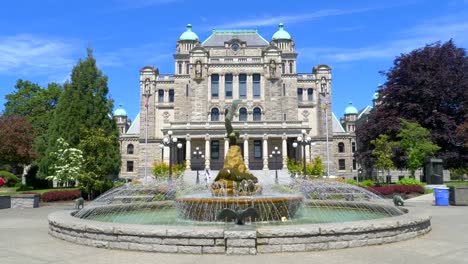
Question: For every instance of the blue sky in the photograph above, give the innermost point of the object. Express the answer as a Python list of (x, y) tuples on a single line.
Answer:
[(40, 41)]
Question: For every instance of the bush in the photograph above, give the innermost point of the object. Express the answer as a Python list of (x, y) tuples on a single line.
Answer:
[(367, 183), (11, 179), (24, 187), (409, 181), (65, 195), (2, 182), (161, 169), (391, 189)]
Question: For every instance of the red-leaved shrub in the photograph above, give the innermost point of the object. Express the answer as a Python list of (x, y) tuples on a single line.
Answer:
[(391, 189), (65, 195), (2, 181)]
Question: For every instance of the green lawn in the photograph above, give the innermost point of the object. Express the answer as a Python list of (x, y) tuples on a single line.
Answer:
[(37, 191), (456, 183)]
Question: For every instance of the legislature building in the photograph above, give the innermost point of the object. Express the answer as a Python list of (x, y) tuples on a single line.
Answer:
[(277, 105)]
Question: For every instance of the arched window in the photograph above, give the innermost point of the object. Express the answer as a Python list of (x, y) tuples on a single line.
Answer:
[(215, 114), (341, 147), (257, 114), (171, 95), (299, 94), (310, 94), (242, 114), (129, 149)]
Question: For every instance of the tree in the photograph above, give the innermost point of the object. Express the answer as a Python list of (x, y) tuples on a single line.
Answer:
[(16, 140), (68, 163), (316, 168), (416, 144), (383, 152), (37, 105), (427, 86), (83, 106)]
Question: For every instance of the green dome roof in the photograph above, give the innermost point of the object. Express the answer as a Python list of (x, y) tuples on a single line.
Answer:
[(350, 110), (120, 111), (376, 96), (281, 33), (189, 34)]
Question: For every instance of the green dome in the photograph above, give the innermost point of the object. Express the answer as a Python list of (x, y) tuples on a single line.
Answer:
[(189, 34), (120, 111), (350, 110), (376, 96), (281, 33)]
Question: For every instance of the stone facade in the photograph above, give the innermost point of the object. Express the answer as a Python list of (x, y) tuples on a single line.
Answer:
[(277, 104)]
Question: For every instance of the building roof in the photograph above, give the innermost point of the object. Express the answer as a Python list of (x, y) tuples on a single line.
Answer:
[(135, 127), (120, 111), (219, 37), (337, 128), (364, 111), (351, 110), (188, 34), (281, 33)]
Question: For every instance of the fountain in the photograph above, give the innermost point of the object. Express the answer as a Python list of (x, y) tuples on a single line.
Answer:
[(237, 215)]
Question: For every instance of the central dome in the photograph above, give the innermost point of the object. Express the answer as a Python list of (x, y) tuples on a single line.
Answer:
[(351, 110)]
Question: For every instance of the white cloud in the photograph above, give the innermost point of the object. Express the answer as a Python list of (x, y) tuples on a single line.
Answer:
[(290, 19), (35, 55), (409, 39)]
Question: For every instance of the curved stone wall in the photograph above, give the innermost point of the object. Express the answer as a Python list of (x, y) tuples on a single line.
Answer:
[(236, 239)]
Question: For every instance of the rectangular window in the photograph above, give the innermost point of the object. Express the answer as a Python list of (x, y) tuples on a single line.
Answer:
[(257, 149), (186, 90), (256, 85), (129, 166), (180, 68), (283, 68), (284, 117), (187, 68), (299, 94), (284, 89), (161, 96), (242, 85), (354, 164), (215, 149), (353, 147), (290, 67), (310, 94), (228, 85), (171, 96), (214, 85), (341, 164)]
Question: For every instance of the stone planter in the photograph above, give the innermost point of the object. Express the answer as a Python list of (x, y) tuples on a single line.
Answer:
[(458, 195), (5, 201), (25, 201)]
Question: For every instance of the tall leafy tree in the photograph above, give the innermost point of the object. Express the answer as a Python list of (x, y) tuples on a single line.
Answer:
[(37, 105), (68, 163), (383, 153), (16, 140), (428, 86), (416, 144), (84, 105)]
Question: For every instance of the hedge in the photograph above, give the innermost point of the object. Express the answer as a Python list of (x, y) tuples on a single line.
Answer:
[(65, 195), (391, 189)]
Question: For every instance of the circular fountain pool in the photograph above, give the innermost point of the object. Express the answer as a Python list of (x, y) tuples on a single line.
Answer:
[(303, 216)]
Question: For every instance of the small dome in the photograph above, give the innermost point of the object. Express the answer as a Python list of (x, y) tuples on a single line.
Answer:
[(281, 33), (351, 110), (188, 34), (376, 96), (120, 111)]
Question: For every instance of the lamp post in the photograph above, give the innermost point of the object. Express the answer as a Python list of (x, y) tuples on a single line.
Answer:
[(197, 154), (171, 142), (303, 141), (325, 106), (359, 174), (147, 95), (275, 154), (161, 146)]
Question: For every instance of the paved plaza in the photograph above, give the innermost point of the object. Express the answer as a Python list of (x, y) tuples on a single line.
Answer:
[(24, 239)]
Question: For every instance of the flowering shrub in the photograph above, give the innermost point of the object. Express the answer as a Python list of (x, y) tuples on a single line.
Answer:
[(65, 195), (2, 182), (391, 189)]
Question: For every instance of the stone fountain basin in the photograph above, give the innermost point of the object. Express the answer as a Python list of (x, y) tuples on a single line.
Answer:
[(231, 239)]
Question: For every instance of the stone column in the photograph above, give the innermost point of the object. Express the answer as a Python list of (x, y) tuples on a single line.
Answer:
[(246, 151), (207, 152), (304, 95), (249, 87), (265, 152), (222, 89), (188, 152), (166, 95), (284, 151), (226, 146), (235, 86)]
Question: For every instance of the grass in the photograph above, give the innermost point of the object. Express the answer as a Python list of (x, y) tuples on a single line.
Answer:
[(456, 183), (37, 191)]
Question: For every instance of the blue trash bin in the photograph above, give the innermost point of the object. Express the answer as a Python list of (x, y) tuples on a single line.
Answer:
[(441, 196)]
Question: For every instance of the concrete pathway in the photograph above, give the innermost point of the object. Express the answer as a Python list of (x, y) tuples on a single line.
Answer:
[(24, 239)]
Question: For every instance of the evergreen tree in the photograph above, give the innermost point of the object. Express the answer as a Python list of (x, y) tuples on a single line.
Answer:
[(83, 106)]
